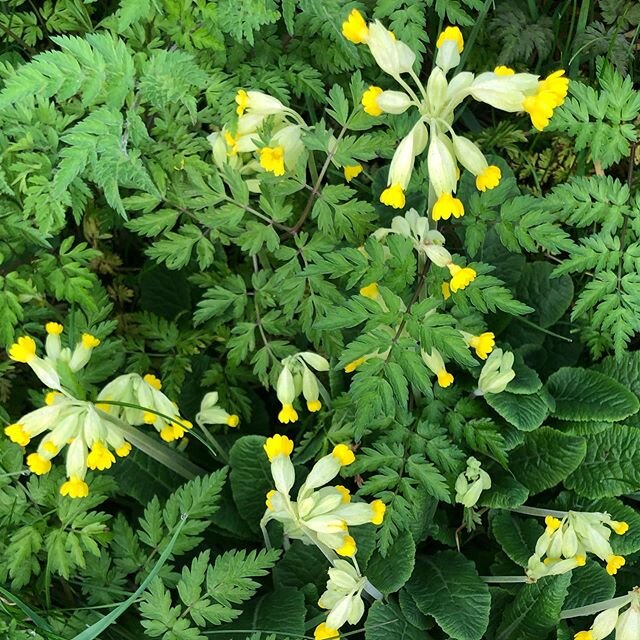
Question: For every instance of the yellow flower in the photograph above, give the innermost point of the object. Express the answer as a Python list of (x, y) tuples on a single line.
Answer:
[(460, 277), (50, 397), (354, 28), (314, 405), (232, 143), (445, 379), (272, 159), (379, 509), (148, 417), (583, 635), (393, 196), (446, 290), (17, 434), (50, 447), (344, 492), (501, 70), (287, 414), (353, 365), (557, 85), (369, 101), (451, 33), (343, 454), (370, 291), (446, 206), (489, 178), (75, 487), (100, 457), (552, 524), (242, 100), (483, 344), (172, 432), (53, 328), (38, 464), (581, 560), (348, 547), (278, 445), (89, 341), (153, 381), (322, 632), (124, 450), (270, 495), (233, 420), (614, 563), (24, 350), (619, 527), (550, 94), (352, 171)]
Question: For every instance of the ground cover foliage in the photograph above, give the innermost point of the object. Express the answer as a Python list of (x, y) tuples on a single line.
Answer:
[(319, 318)]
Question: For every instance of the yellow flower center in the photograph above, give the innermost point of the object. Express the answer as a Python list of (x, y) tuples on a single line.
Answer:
[(353, 365), (268, 502), (232, 143), (153, 381), (483, 344), (393, 196), (50, 447), (581, 560), (583, 635), (369, 101), (287, 414), (38, 464), (50, 397), (378, 507), (501, 70), (352, 171), (619, 527), (446, 290), (348, 547), (614, 563), (149, 418), (370, 291), (278, 445), (17, 434), (242, 100), (445, 379), (461, 277), (100, 457), (53, 328), (446, 206), (272, 159), (344, 492), (489, 178), (354, 28), (124, 450), (89, 341), (322, 632), (75, 487), (233, 420), (344, 455), (23, 350), (314, 405), (451, 33)]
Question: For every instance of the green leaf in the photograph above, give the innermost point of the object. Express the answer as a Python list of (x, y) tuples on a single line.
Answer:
[(589, 585), (517, 536), (389, 574), (526, 412), (250, 478), (546, 458), (535, 610), (386, 621), (611, 466), (583, 394), (448, 587)]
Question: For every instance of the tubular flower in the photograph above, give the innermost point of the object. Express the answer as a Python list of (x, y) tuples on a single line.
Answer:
[(436, 364), (496, 373), (483, 344), (352, 171), (550, 94), (447, 206), (320, 514), (461, 277), (471, 158), (297, 377), (471, 483), (145, 392), (272, 159), (343, 595), (566, 542), (211, 413), (369, 101), (258, 103), (450, 44), (323, 632), (354, 28)]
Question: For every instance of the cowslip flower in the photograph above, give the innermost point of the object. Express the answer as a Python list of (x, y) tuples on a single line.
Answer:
[(435, 102), (436, 364), (496, 373), (483, 343), (212, 413), (152, 405), (566, 542), (471, 483), (296, 377), (343, 595), (320, 515), (626, 625)]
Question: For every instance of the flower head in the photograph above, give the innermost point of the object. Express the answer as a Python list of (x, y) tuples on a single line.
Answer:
[(352, 171), (496, 373), (471, 483), (461, 277), (211, 413), (436, 364), (369, 101), (483, 343), (272, 160), (354, 28)]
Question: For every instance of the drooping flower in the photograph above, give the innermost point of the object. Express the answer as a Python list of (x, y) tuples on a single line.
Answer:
[(461, 277), (496, 373), (354, 28), (343, 595), (436, 364), (212, 413), (471, 483), (483, 343), (352, 171), (369, 101)]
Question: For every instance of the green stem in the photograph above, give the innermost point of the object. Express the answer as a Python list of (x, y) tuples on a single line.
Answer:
[(539, 513), (596, 607), (503, 579), (533, 325)]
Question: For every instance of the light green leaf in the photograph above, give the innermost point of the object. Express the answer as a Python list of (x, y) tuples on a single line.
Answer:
[(448, 587), (590, 584), (582, 394)]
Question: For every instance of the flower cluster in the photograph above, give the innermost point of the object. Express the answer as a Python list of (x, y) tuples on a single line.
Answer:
[(497, 371), (501, 88), (626, 624), (243, 148), (321, 515), (296, 377), (565, 543), (471, 483)]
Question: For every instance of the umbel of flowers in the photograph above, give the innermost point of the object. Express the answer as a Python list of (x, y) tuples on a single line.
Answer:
[(321, 515), (435, 103), (565, 543), (626, 624), (92, 441)]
